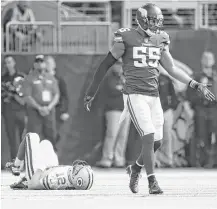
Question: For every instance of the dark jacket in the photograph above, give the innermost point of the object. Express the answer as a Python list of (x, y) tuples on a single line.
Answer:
[(8, 90), (63, 105), (167, 93)]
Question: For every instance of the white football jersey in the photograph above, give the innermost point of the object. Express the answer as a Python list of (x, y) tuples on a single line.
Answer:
[(56, 178)]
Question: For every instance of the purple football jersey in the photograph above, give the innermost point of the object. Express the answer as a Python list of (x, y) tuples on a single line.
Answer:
[(140, 55)]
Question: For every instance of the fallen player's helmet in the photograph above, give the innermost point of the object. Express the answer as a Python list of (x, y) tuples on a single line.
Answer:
[(81, 175), (79, 162), (150, 18)]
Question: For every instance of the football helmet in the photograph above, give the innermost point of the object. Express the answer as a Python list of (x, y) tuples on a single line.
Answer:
[(150, 19), (81, 176)]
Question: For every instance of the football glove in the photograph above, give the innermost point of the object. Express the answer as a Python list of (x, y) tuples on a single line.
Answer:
[(202, 89), (88, 102), (15, 170), (22, 184)]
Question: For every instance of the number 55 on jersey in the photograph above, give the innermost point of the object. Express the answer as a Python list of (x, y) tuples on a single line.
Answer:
[(141, 56)]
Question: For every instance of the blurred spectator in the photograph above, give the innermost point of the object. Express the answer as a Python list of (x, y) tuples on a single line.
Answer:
[(63, 105), (169, 102), (21, 35), (116, 137), (175, 20), (13, 109), (205, 117), (188, 17), (41, 93)]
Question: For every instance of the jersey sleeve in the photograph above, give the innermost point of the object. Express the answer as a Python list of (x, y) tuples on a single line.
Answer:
[(45, 183), (118, 47)]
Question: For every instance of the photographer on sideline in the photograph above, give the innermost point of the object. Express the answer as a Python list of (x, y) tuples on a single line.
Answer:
[(13, 109)]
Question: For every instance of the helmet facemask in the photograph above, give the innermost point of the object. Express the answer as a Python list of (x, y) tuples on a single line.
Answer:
[(155, 24)]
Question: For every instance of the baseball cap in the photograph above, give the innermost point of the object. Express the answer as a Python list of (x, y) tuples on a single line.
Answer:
[(39, 58)]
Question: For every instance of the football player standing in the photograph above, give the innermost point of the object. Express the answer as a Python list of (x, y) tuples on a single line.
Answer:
[(142, 50)]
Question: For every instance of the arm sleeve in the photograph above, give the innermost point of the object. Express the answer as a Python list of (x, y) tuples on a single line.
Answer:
[(108, 61), (114, 54)]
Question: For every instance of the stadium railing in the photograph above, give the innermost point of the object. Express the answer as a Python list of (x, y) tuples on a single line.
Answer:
[(84, 37), (97, 11), (193, 14), (26, 37), (208, 15), (68, 37)]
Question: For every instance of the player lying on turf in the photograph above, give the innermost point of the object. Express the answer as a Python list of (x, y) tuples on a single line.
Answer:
[(43, 170), (142, 50)]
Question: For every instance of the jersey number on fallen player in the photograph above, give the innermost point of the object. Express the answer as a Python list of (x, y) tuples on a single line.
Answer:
[(61, 180), (148, 56)]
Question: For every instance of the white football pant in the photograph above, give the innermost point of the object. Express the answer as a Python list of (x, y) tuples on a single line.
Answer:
[(146, 113), (38, 155)]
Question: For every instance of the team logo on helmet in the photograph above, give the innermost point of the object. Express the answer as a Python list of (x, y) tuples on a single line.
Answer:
[(79, 182), (81, 175), (143, 12)]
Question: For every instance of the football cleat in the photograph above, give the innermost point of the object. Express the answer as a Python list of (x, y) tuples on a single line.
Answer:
[(150, 19), (134, 179), (154, 188), (15, 170)]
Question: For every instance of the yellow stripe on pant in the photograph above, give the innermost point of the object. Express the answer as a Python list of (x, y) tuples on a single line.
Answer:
[(133, 117)]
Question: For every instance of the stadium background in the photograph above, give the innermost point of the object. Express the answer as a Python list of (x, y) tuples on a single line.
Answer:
[(79, 37)]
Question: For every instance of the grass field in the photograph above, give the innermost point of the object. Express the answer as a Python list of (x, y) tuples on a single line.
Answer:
[(183, 189)]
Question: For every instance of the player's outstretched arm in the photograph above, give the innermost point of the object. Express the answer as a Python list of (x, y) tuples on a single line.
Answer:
[(114, 54), (168, 64), (98, 76)]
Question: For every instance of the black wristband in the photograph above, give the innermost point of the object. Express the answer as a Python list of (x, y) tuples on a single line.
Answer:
[(193, 84)]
